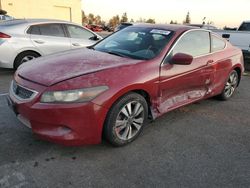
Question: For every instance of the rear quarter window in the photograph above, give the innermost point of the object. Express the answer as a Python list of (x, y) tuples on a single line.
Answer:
[(217, 44), (34, 30)]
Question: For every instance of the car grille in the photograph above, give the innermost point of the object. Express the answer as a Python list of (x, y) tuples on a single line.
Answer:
[(22, 93)]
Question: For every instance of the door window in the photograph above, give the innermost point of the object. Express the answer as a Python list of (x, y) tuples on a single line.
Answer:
[(195, 43), (217, 44), (34, 30), (55, 30), (79, 32)]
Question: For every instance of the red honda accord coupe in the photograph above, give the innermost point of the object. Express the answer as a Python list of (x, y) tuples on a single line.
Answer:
[(110, 89)]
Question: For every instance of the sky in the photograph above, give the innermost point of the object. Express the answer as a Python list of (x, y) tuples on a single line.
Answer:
[(222, 12)]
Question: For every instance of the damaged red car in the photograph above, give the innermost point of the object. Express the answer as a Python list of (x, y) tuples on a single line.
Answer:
[(111, 89)]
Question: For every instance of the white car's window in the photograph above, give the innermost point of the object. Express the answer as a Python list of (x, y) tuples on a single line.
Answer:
[(217, 44), (34, 30), (194, 43), (78, 32), (54, 30)]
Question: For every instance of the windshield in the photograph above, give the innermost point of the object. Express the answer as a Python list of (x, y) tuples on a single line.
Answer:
[(136, 42), (245, 27)]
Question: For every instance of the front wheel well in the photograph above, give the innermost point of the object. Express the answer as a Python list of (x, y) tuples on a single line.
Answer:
[(21, 54), (141, 92), (238, 70), (147, 98)]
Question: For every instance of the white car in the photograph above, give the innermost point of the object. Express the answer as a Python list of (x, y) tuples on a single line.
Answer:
[(5, 17), (25, 39), (239, 38)]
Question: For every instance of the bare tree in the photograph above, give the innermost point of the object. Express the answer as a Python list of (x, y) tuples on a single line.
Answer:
[(91, 18), (114, 21), (98, 20), (141, 20), (84, 18)]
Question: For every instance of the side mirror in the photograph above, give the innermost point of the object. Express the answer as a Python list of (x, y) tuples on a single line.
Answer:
[(95, 38), (181, 59)]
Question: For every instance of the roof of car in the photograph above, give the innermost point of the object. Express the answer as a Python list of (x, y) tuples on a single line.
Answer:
[(30, 21), (126, 23), (45, 20), (172, 27)]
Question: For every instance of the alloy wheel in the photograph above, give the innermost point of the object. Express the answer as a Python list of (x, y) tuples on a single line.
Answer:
[(129, 120), (231, 84)]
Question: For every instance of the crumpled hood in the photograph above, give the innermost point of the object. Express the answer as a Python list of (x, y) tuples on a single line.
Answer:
[(55, 68)]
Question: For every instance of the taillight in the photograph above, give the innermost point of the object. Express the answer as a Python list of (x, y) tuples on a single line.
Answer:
[(3, 35)]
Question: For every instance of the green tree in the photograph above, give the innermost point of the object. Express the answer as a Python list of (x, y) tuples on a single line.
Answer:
[(132, 20), (124, 17), (150, 20), (171, 22), (188, 19), (204, 21)]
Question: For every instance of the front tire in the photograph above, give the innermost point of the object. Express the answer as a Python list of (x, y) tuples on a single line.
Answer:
[(125, 119), (230, 86)]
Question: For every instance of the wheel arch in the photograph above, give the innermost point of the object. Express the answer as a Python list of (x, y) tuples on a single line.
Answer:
[(239, 72), (140, 92), (24, 51), (145, 94)]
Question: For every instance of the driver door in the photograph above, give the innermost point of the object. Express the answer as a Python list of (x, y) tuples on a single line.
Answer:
[(183, 84)]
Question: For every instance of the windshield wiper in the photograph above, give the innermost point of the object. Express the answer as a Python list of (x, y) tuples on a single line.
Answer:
[(91, 47), (116, 53)]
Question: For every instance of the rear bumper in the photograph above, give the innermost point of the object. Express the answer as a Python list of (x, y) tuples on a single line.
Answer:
[(67, 124), (8, 54)]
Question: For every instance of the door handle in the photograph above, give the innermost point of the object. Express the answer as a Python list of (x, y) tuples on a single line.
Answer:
[(39, 41), (76, 44), (226, 36), (210, 62)]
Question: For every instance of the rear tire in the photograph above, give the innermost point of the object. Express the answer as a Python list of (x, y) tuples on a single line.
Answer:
[(230, 86), (125, 119), (24, 57)]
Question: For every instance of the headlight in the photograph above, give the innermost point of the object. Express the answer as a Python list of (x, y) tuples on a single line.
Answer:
[(78, 95)]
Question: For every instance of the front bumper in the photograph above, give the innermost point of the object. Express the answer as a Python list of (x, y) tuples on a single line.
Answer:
[(67, 124), (6, 65)]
